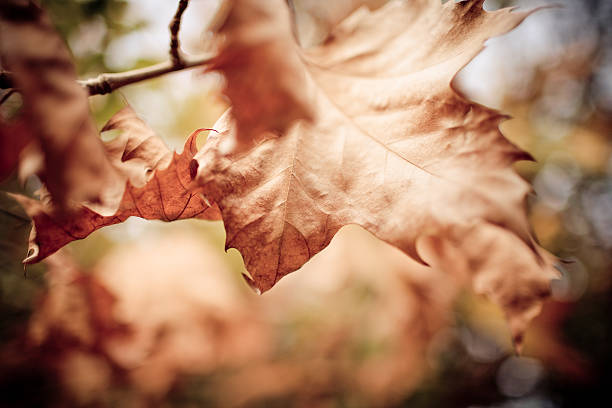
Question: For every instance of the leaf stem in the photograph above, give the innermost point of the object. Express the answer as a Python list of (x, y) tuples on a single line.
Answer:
[(108, 82)]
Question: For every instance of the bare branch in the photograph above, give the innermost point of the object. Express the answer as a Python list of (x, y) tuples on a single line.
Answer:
[(107, 83), (175, 25)]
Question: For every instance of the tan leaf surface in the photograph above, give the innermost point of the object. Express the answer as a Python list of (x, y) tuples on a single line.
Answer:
[(315, 19), (153, 186), (259, 59), (56, 109), (393, 148)]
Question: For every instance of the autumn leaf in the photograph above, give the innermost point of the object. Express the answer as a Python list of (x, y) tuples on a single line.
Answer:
[(154, 186), (393, 148), (259, 60), (56, 110)]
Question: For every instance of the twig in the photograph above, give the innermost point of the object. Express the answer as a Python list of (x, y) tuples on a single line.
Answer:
[(175, 26), (106, 83)]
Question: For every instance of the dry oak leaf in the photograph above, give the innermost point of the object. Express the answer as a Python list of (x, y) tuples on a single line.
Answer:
[(259, 59), (56, 110), (393, 147), (153, 186)]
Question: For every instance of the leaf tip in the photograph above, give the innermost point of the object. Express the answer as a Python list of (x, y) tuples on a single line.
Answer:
[(252, 284), (31, 256)]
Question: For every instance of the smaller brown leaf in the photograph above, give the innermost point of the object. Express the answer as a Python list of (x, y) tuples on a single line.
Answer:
[(155, 181), (258, 63)]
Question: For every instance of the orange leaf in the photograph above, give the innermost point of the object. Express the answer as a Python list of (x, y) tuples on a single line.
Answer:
[(260, 62), (155, 181)]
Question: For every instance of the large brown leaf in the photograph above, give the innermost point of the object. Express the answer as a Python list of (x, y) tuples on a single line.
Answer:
[(56, 110), (393, 148), (154, 186)]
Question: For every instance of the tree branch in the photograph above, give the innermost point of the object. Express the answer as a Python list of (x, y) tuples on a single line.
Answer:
[(107, 83), (6, 81), (175, 26)]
